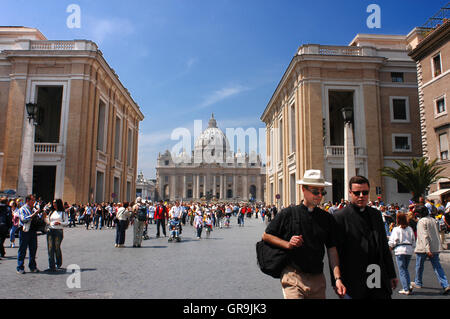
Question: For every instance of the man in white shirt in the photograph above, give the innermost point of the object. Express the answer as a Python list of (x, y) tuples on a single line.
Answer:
[(151, 213), (28, 236), (176, 211)]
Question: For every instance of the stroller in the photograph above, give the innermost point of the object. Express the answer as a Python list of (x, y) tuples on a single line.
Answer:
[(174, 229), (227, 220)]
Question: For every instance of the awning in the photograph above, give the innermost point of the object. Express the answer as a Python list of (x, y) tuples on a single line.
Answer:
[(439, 193)]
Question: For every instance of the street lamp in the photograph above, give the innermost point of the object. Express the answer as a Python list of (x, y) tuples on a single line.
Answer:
[(32, 110), (347, 114), (349, 148)]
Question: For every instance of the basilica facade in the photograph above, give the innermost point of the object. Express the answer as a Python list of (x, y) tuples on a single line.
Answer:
[(212, 171)]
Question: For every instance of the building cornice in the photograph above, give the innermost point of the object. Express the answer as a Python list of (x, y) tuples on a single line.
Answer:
[(90, 52), (364, 55), (433, 40)]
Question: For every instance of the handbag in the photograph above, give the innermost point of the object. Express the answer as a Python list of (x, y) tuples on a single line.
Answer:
[(271, 259)]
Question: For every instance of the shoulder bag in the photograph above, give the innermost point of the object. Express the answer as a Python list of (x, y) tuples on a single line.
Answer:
[(271, 259)]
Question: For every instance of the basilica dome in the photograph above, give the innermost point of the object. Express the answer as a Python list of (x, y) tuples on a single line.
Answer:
[(212, 140)]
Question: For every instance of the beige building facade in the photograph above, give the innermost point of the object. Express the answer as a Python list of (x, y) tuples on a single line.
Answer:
[(430, 48), (211, 172), (82, 146), (305, 128)]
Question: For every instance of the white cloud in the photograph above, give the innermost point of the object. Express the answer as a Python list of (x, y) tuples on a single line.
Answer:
[(222, 94), (112, 28)]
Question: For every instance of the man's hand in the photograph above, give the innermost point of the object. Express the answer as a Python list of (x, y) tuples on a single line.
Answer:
[(340, 289), (430, 254), (394, 283), (296, 241)]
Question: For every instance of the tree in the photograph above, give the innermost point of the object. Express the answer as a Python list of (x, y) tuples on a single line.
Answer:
[(417, 176)]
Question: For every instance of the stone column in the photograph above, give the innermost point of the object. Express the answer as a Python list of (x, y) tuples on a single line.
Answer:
[(225, 186), (234, 186), (245, 187), (214, 185), (25, 183), (349, 157), (258, 188), (221, 187), (172, 182), (197, 187), (206, 185), (183, 195)]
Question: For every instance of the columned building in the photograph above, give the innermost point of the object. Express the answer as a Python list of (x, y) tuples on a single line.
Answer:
[(211, 172), (430, 48), (81, 145), (376, 79)]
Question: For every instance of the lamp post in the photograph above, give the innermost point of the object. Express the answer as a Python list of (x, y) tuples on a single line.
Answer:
[(32, 111), (349, 148), (25, 183)]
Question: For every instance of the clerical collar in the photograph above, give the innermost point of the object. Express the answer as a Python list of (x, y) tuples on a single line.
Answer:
[(359, 209), (308, 208)]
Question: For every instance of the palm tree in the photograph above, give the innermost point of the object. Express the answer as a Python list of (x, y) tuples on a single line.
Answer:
[(417, 176)]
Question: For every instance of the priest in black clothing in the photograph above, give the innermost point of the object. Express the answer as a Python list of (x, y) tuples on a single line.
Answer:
[(366, 264)]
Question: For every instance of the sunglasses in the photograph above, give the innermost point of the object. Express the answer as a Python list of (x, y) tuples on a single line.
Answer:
[(358, 193), (316, 192)]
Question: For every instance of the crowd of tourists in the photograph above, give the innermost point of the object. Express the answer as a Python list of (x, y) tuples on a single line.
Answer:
[(29, 216), (26, 218)]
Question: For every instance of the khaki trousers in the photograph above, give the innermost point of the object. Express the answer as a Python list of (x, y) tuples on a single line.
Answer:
[(298, 285), (138, 231)]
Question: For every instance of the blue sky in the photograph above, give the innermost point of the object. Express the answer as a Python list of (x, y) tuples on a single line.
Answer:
[(181, 60)]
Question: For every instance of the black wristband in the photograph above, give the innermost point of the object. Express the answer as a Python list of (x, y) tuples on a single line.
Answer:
[(338, 278)]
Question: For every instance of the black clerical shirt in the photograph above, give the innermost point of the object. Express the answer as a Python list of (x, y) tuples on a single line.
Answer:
[(318, 229)]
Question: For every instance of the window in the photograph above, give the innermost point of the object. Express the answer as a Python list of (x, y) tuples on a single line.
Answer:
[(99, 187), (130, 148), (399, 109), (116, 193), (280, 139), (440, 106), (101, 127), (117, 151), (401, 142), (293, 128), (397, 76), (437, 70), (443, 146), (166, 162)]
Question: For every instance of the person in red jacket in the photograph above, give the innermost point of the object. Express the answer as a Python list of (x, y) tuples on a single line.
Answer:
[(160, 217)]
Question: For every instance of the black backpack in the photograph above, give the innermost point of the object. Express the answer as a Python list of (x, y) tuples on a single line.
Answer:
[(270, 259), (142, 213)]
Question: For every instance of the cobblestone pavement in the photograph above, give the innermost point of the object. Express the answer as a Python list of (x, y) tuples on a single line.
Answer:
[(223, 266)]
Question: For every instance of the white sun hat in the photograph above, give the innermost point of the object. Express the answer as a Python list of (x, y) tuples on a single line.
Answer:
[(313, 177)]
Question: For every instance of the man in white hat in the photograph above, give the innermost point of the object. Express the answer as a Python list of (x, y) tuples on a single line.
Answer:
[(304, 231)]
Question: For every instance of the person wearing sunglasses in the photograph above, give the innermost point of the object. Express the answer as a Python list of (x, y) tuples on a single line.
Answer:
[(304, 231), (366, 262)]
